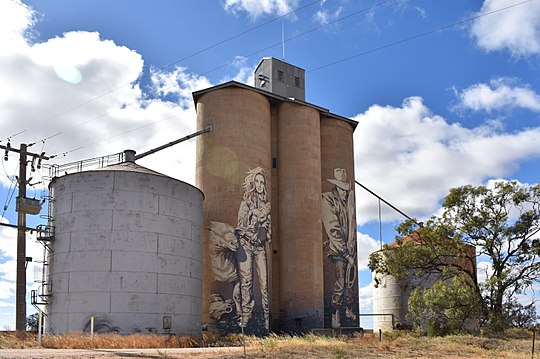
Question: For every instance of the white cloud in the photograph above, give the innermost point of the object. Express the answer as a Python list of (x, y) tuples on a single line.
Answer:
[(8, 240), (6, 304), (500, 93), (256, 8), (15, 19), (8, 271), (44, 84), (516, 29), (179, 83), (412, 157), (366, 245), (324, 17), (484, 270), (245, 74)]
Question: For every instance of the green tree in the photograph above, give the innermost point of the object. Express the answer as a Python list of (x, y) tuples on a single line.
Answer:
[(521, 316), (444, 308), (501, 222), (32, 322)]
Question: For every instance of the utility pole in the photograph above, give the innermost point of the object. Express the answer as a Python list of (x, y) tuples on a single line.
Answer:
[(24, 206), (20, 289)]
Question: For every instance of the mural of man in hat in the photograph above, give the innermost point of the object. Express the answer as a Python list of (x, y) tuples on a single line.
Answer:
[(339, 221)]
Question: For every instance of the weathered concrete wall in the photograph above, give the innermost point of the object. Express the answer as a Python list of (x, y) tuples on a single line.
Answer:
[(300, 250), (127, 250), (227, 159), (337, 159)]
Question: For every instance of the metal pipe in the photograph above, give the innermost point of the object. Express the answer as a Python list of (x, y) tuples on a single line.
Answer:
[(144, 154), (419, 224)]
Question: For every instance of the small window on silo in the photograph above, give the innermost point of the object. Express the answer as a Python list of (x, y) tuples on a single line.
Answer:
[(280, 75), (297, 81)]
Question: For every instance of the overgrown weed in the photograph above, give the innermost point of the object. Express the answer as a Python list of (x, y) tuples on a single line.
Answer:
[(78, 340)]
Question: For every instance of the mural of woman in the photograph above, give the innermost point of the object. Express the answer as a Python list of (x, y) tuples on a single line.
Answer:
[(253, 231)]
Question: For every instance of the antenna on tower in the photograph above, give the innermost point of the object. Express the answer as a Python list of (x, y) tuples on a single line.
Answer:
[(283, 40)]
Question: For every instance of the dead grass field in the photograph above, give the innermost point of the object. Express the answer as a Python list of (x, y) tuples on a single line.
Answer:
[(512, 345)]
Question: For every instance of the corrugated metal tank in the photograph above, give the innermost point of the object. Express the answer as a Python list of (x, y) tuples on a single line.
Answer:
[(127, 250), (239, 144), (299, 176)]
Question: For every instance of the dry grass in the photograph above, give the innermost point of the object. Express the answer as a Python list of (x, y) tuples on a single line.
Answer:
[(115, 341), (14, 340), (396, 345)]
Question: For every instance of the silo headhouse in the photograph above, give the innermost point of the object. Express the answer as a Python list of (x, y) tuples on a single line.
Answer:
[(279, 238)]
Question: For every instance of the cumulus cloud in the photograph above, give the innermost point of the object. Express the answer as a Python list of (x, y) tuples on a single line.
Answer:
[(365, 246), (82, 95), (15, 19), (8, 242), (516, 29), (256, 8), (324, 17), (6, 304), (365, 301), (411, 157), (501, 93)]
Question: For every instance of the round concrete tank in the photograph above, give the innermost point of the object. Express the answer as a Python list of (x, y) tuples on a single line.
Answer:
[(299, 182), (234, 171), (337, 158), (391, 296), (127, 250), (389, 303)]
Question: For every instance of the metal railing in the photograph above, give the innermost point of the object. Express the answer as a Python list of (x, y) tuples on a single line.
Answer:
[(84, 165)]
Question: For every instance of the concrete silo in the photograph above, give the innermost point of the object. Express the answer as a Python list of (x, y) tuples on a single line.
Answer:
[(264, 170), (339, 223), (127, 250), (234, 170), (301, 261), (391, 296)]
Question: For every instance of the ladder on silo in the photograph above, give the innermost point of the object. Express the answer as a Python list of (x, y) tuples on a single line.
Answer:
[(45, 236)]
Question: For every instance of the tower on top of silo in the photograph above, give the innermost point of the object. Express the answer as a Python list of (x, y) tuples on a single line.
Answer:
[(281, 78)]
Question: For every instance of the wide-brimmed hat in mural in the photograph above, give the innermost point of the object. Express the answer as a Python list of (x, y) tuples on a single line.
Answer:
[(340, 179)]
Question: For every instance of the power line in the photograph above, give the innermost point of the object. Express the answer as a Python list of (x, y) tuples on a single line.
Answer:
[(355, 13), (9, 137), (117, 135), (429, 32), (290, 39), (219, 43)]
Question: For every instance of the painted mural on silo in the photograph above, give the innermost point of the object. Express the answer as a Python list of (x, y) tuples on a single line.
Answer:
[(239, 261), (339, 227)]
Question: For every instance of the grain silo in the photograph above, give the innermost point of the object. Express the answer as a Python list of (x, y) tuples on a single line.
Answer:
[(126, 250), (391, 295), (278, 176)]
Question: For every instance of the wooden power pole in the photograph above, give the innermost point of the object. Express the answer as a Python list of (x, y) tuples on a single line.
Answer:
[(24, 206)]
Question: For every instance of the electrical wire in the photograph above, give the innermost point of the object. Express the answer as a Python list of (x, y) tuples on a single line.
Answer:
[(429, 32), (219, 43), (64, 154), (10, 137), (355, 13), (363, 10), (11, 188), (442, 28)]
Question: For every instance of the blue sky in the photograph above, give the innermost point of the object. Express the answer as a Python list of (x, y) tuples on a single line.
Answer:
[(446, 93)]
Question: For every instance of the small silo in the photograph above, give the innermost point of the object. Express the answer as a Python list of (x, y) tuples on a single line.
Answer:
[(127, 250), (389, 303), (391, 296)]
